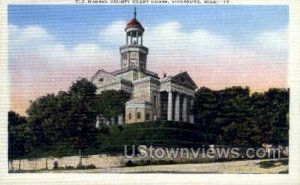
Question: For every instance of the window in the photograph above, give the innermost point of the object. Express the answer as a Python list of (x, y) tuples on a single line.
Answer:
[(124, 56), (147, 116), (138, 115), (143, 57), (155, 100), (129, 116), (101, 80), (182, 79)]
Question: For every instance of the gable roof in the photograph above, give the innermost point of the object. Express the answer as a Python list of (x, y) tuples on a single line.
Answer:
[(100, 71), (184, 79)]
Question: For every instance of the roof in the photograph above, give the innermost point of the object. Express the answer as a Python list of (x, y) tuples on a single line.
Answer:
[(100, 71), (184, 79), (134, 23)]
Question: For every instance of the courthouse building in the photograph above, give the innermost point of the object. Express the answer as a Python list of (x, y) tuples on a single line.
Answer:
[(152, 97)]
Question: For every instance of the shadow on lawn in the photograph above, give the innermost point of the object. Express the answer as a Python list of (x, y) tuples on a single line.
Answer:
[(270, 164)]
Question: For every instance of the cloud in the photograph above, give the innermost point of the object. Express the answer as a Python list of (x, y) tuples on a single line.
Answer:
[(273, 43), (213, 60), (171, 37), (114, 34), (39, 64), (28, 40)]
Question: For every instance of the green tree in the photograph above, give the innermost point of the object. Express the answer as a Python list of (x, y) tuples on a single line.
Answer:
[(82, 115), (41, 119), (279, 106), (18, 137), (111, 103), (83, 87), (238, 118), (66, 120)]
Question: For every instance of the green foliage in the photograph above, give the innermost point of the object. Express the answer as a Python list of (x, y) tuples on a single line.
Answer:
[(111, 103), (63, 124), (238, 118), (18, 136), (82, 167), (158, 133), (65, 120), (270, 164), (83, 87)]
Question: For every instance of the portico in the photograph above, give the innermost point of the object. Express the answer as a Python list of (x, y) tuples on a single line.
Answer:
[(180, 98), (179, 107)]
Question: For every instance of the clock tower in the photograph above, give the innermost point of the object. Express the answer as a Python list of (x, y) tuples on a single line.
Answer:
[(133, 53)]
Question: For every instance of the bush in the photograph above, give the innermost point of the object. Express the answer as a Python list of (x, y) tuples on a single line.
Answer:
[(129, 163), (155, 133), (158, 133), (69, 167), (90, 166), (145, 162)]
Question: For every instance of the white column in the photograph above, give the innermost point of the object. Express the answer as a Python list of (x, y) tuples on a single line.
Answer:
[(142, 40), (191, 112), (177, 107), (120, 119), (112, 121), (170, 106), (106, 122), (184, 109), (97, 122), (158, 108), (135, 115)]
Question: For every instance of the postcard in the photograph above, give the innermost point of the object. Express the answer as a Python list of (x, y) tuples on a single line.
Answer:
[(150, 91)]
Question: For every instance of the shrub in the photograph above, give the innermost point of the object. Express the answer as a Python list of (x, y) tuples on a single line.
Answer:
[(90, 166), (129, 163)]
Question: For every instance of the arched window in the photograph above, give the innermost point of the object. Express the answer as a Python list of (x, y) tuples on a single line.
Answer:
[(138, 116), (147, 116)]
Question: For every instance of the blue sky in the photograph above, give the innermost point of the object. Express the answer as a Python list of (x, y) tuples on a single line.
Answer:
[(219, 46), (72, 24)]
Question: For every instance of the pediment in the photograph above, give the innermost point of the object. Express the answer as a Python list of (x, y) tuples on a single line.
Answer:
[(185, 80), (102, 77)]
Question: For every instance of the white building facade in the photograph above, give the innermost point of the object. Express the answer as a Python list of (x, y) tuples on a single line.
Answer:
[(152, 98)]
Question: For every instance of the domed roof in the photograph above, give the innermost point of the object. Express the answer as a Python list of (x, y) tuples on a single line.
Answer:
[(134, 23)]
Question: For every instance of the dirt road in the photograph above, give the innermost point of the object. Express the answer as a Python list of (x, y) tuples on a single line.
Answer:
[(233, 167)]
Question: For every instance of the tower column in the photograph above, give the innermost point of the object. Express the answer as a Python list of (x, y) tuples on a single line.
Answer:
[(142, 40), (184, 109), (112, 121), (177, 107), (158, 108), (191, 116), (97, 122), (120, 119), (131, 37), (170, 105)]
